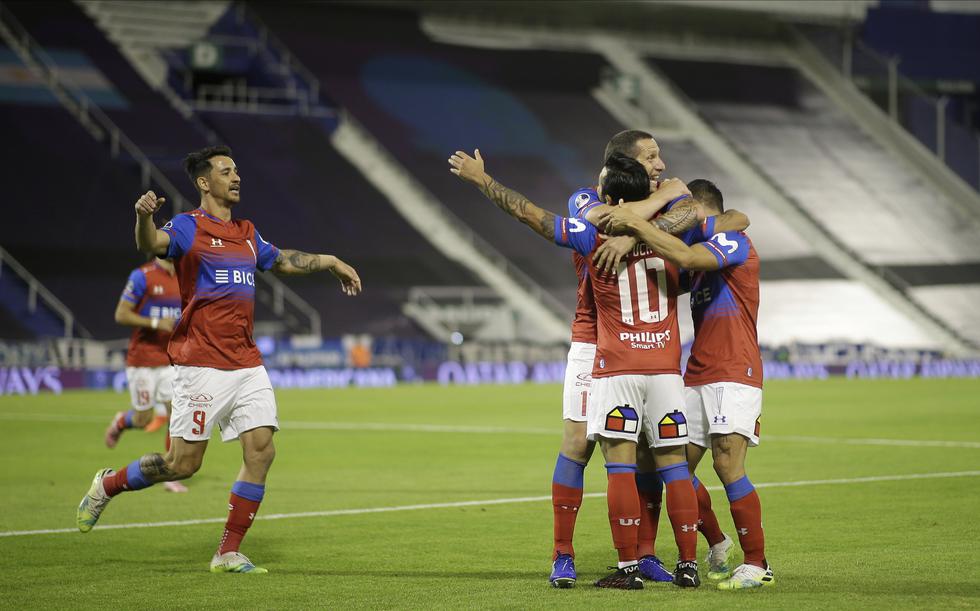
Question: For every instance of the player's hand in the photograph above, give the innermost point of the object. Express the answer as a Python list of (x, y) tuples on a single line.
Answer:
[(468, 168), (149, 203), (609, 254), (674, 187), (166, 325), (618, 220), (350, 282)]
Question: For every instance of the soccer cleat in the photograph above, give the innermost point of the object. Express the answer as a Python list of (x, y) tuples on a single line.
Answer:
[(234, 562), (719, 559), (175, 486), (686, 574), (622, 579), (563, 572), (653, 569), (93, 503), (113, 433), (155, 424), (748, 576)]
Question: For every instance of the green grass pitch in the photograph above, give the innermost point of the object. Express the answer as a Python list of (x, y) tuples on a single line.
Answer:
[(879, 543)]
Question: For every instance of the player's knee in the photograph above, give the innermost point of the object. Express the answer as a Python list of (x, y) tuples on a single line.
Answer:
[(261, 455), (576, 447), (142, 418), (184, 466)]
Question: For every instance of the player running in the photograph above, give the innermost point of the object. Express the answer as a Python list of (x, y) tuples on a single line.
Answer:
[(621, 477), (724, 371), (219, 373), (150, 304)]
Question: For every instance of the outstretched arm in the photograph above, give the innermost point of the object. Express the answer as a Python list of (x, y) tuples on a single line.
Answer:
[(297, 263), (695, 257), (513, 203), (149, 239)]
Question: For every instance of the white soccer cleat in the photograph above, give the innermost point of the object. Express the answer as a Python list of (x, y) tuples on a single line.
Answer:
[(93, 502), (234, 562), (719, 559), (748, 576), (175, 486)]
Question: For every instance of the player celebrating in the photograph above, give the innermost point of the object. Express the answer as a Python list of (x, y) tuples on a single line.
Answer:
[(724, 371), (150, 304), (575, 451), (621, 476), (219, 373)]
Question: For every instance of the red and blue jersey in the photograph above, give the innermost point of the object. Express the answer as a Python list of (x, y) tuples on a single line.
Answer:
[(154, 293), (584, 323), (216, 262), (637, 329), (725, 308)]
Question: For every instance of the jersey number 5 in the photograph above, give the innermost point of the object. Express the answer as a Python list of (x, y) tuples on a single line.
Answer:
[(644, 273)]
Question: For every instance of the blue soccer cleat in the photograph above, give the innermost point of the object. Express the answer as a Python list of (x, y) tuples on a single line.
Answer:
[(563, 572), (652, 568)]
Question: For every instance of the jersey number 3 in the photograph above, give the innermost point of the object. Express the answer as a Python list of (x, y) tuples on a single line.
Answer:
[(641, 274)]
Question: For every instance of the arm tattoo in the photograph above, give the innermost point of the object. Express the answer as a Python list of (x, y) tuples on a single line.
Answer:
[(678, 220), (296, 262), (520, 207), (155, 467)]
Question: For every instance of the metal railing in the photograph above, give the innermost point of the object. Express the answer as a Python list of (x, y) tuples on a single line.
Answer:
[(37, 290), (463, 231), (101, 127), (76, 102), (919, 112)]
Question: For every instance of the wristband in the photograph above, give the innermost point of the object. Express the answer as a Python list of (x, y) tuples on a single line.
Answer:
[(154, 322)]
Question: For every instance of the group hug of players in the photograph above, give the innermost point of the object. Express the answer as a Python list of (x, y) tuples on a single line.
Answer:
[(638, 243)]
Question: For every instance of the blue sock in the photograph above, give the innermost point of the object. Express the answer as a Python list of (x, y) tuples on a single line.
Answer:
[(620, 467), (673, 473), (135, 480), (569, 472), (128, 419), (695, 481), (248, 490), (738, 489), (649, 484)]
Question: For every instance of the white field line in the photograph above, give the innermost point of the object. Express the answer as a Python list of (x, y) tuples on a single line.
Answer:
[(489, 430), (481, 503)]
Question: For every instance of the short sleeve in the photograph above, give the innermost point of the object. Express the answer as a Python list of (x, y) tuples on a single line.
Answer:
[(267, 254), (135, 287), (700, 233), (731, 248), (181, 230), (577, 234), (582, 201)]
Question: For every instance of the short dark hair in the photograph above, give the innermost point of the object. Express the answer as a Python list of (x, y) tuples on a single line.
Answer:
[(626, 179), (707, 193), (624, 143), (198, 163)]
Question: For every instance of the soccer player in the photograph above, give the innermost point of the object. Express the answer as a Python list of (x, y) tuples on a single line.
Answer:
[(150, 304), (724, 371), (219, 374), (575, 450), (621, 475)]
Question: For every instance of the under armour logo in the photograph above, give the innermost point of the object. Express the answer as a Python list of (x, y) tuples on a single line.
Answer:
[(568, 507), (251, 516), (157, 289), (216, 243), (742, 531), (689, 528), (629, 521)]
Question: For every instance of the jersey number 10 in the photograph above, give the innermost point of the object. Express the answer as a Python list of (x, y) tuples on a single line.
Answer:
[(642, 280)]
